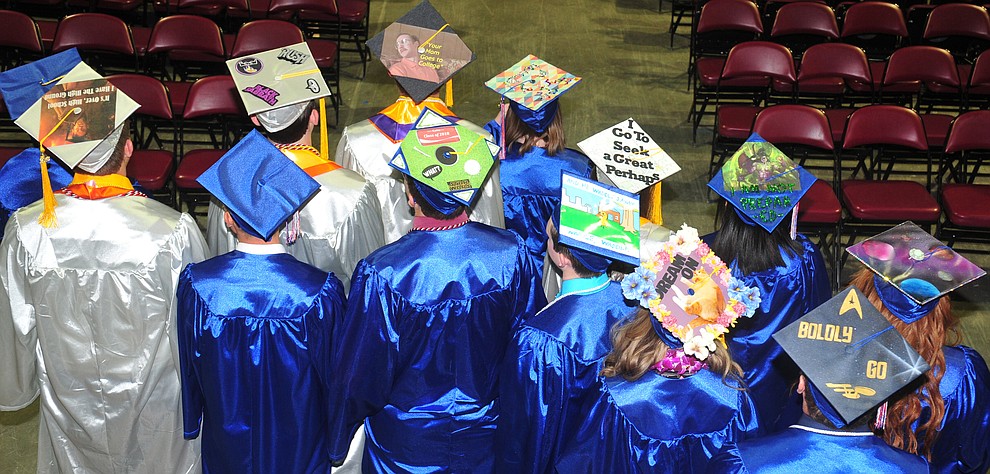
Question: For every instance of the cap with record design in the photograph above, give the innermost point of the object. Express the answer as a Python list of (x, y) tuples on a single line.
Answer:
[(259, 185), (761, 182), (448, 162), (597, 222), (532, 86), (914, 269), (421, 51), (277, 85), (628, 156), (851, 355)]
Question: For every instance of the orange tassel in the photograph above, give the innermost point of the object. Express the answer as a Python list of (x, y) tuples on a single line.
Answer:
[(449, 97), (324, 138), (651, 201), (47, 218)]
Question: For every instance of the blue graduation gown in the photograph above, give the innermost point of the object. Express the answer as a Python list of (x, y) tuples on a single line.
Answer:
[(20, 181), (656, 424), (419, 349), (964, 442), (531, 190), (812, 447), (548, 368), (787, 293), (254, 334)]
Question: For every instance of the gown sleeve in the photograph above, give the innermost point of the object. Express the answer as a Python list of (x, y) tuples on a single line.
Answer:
[(964, 442), (18, 338), (188, 306)]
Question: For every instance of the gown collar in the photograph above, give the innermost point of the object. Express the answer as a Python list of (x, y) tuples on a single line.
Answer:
[(260, 249), (583, 285), (431, 225), (807, 424), (89, 186)]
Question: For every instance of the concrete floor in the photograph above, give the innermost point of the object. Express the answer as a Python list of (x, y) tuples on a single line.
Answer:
[(620, 49)]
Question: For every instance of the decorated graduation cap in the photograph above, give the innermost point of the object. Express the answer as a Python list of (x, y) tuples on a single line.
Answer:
[(692, 294), (851, 355), (260, 186), (532, 86), (913, 269), (761, 182), (421, 51), (73, 112), (628, 156), (599, 223), (448, 162), (276, 86)]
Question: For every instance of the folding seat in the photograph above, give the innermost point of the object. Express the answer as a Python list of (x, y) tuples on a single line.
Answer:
[(722, 24), (926, 78), (978, 83), (799, 25), (741, 90), (836, 77), (803, 134), (962, 28), (877, 27), (104, 41), (184, 47), (966, 213), (336, 21), (20, 40), (151, 167), (886, 139), (682, 13)]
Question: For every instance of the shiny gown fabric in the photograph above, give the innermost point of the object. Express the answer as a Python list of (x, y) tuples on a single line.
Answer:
[(339, 225), (366, 150), (418, 350), (20, 182), (254, 339), (787, 293), (548, 368), (531, 190), (812, 447), (656, 424), (87, 319), (964, 442)]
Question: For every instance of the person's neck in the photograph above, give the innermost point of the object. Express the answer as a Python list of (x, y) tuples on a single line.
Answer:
[(246, 238)]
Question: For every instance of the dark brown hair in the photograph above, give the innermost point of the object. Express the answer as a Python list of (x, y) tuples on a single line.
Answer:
[(424, 205), (517, 131), (565, 251)]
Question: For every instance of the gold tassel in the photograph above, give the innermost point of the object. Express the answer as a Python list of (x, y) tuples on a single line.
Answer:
[(449, 97), (650, 207), (47, 218), (324, 138)]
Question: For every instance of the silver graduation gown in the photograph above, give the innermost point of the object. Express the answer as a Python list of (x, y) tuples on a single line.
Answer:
[(339, 226), (87, 321), (363, 148)]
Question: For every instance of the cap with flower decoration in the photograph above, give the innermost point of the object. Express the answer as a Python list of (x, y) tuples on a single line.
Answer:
[(691, 293)]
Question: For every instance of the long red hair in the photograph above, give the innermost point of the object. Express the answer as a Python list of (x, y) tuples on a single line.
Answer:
[(927, 336)]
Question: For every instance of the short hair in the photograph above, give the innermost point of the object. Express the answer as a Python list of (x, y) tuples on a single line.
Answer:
[(426, 207), (117, 156), (294, 132), (579, 268)]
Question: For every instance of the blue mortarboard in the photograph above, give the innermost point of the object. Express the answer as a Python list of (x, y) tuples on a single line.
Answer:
[(761, 182), (20, 179), (259, 185), (852, 356), (597, 222), (24, 85), (533, 85)]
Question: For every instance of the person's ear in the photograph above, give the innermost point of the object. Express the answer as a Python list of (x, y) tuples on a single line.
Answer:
[(314, 117), (801, 385), (228, 221), (128, 148), (255, 121)]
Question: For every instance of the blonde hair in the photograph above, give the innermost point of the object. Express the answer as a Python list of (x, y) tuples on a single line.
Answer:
[(636, 348), (927, 336)]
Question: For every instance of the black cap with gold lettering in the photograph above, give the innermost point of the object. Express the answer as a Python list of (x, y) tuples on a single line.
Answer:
[(852, 356)]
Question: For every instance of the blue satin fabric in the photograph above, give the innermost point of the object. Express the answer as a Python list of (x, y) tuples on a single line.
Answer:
[(656, 424), (254, 336), (787, 293), (964, 442), (20, 181), (797, 450), (419, 348), (531, 190), (548, 368)]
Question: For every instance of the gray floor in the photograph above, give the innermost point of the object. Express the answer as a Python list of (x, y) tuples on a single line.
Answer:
[(620, 49)]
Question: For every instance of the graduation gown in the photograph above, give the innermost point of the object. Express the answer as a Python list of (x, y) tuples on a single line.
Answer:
[(20, 181), (787, 293), (366, 149), (254, 346), (548, 368), (656, 424), (963, 444), (809, 446), (418, 350), (86, 320), (531, 190), (339, 225)]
